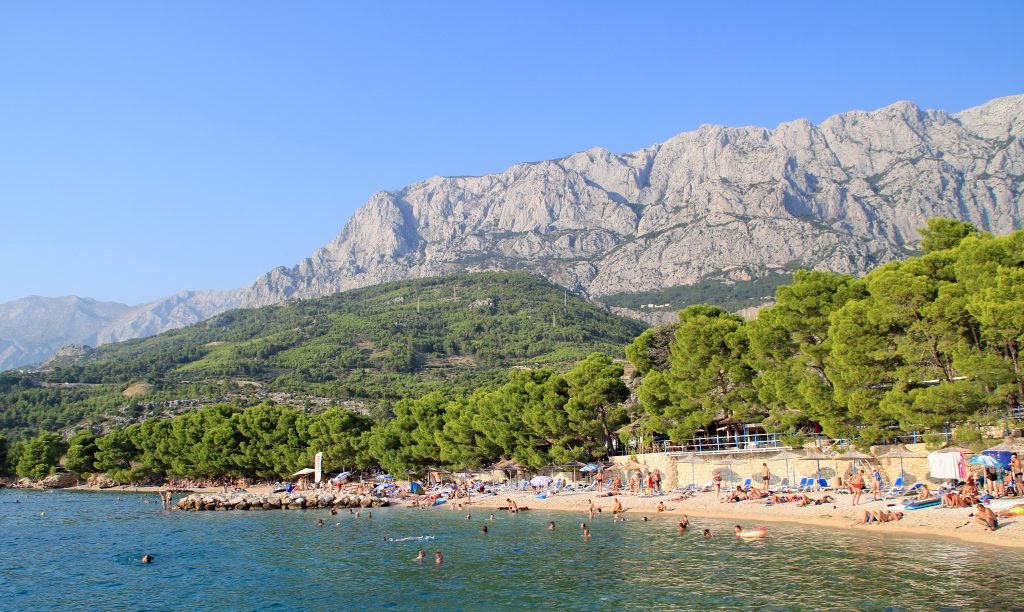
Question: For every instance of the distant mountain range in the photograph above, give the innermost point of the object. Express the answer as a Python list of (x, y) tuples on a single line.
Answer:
[(715, 205)]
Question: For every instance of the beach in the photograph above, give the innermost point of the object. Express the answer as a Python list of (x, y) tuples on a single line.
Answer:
[(952, 523), (933, 522)]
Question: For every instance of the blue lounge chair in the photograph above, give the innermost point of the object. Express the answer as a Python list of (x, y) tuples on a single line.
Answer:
[(746, 483), (896, 489), (823, 485)]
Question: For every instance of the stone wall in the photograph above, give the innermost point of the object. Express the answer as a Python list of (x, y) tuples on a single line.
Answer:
[(678, 474)]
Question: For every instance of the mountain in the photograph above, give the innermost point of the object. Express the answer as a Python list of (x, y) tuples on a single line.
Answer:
[(719, 203), (721, 212), (33, 328), (365, 346)]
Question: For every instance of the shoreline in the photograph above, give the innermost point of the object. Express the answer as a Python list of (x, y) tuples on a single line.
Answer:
[(933, 523)]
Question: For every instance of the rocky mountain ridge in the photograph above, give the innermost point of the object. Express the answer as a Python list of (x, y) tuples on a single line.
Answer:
[(714, 203)]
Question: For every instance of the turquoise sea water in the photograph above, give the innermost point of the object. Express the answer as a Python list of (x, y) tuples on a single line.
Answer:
[(84, 553)]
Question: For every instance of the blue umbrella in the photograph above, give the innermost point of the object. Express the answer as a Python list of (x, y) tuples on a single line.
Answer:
[(384, 478), (986, 460)]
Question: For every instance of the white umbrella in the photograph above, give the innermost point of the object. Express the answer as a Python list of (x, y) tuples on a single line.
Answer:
[(541, 481), (304, 472)]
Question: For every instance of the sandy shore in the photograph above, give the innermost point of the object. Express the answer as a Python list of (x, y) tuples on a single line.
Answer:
[(931, 522), (927, 522)]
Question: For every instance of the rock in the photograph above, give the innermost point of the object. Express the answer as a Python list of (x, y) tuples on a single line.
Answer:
[(715, 203), (60, 480), (365, 502)]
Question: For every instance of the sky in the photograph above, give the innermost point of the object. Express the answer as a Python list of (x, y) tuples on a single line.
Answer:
[(150, 147)]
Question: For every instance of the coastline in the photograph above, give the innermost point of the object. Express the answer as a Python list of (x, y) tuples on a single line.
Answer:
[(932, 523), (941, 523)]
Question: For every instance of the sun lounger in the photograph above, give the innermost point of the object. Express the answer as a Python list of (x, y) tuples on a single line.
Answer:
[(896, 489), (823, 485)]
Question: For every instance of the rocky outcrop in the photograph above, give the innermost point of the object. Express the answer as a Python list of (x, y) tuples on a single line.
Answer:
[(715, 203), (729, 203), (60, 480), (280, 501)]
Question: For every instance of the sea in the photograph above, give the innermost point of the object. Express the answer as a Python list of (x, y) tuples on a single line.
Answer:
[(82, 550)]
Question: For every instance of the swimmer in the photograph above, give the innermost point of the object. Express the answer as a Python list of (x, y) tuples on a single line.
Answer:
[(369, 515), (645, 519), (739, 530), (469, 517), (483, 530), (490, 518), (321, 523), (147, 558), (583, 525), (551, 526), (334, 511), (708, 534), (438, 558), (421, 555), (586, 534), (357, 515)]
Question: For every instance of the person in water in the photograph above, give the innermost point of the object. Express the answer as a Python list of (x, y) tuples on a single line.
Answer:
[(483, 530), (490, 518), (661, 507), (708, 534), (617, 508), (147, 558), (683, 524), (438, 558), (421, 555), (321, 523), (551, 526), (586, 533)]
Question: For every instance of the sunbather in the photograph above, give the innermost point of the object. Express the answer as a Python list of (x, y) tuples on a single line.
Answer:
[(986, 517)]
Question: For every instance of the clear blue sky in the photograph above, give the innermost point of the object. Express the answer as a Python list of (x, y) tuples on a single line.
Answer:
[(148, 147)]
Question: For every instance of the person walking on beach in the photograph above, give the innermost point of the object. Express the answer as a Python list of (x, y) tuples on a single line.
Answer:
[(858, 486), (657, 481), (876, 484), (600, 480), (717, 480), (766, 475)]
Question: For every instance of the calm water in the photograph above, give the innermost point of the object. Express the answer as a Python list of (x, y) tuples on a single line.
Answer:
[(84, 553)]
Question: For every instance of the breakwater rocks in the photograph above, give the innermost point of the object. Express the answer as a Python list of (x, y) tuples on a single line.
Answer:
[(279, 501)]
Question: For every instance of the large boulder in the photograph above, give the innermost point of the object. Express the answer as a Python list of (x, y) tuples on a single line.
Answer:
[(60, 480)]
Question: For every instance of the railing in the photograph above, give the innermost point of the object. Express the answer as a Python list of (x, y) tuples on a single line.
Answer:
[(743, 443)]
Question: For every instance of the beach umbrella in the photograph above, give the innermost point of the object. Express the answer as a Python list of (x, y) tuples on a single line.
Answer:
[(729, 462), (632, 465), (902, 452), (574, 465), (952, 448), (383, 478), (1009, 445), (853, 455), (342, 477), (541, 481), (303, 472), (986, 461), (786, 456), (817, 457), (694, 461)]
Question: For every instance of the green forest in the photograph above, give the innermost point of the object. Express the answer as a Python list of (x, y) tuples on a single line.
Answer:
[(374, 346), (921, 345)]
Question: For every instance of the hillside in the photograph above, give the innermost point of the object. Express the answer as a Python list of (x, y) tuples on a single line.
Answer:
[(364, 346), (705, 214)]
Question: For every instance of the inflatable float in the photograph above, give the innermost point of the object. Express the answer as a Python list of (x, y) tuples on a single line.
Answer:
[(757, 532), (917, 504)]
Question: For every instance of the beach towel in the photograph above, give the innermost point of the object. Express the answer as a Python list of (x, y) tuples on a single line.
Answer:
[(945, 465)]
